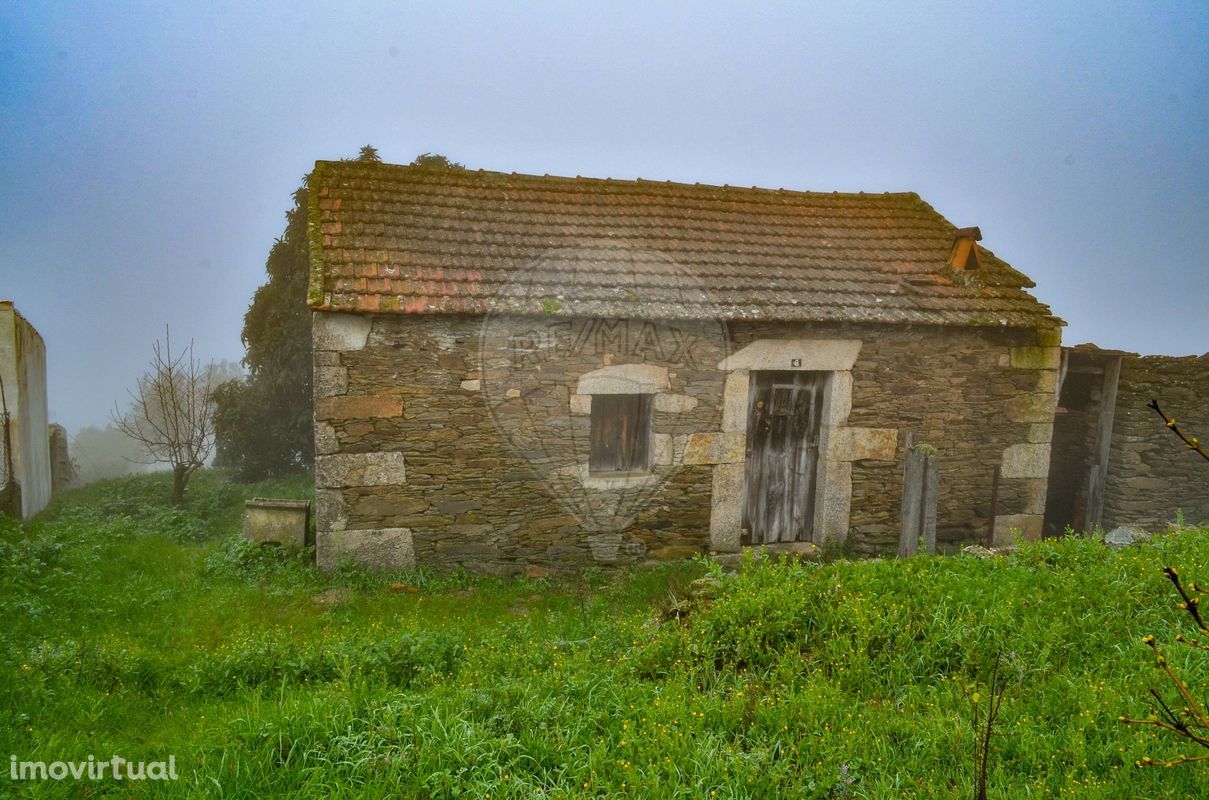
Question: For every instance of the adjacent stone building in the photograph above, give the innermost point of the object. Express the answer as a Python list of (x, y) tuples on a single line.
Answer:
[(62, 468), (517, 371), (1113, 461), (25, 482)]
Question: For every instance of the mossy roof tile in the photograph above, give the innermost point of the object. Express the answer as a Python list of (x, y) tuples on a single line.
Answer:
[(414, 240)]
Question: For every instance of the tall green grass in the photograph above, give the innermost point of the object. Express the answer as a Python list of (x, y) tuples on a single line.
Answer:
[(134, 629)]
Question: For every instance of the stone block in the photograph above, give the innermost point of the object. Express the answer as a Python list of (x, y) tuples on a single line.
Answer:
[(1041, 432), (1047, 381), (825, 355), (725, 508), (715, 448), (456, 506), (837, 500), (472, 385), (1125, 535), (469, 530), (675, 403), (359, 406), (1035, 492), (1007, 526), (581, 404), (334, 331), (359, 469), (1031, 408), (1049, 337), (330, 381), (863, 444), (624, 379), (1146, 483), (1025, 461), (734, 401), (839, 399), (661, 449), (330, 511), (390, 506), (278, 521), (379, 548), (325, 438), (612, 481), (1036, 357)]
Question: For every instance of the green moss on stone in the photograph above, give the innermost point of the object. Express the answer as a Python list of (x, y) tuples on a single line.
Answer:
[(314, 296)]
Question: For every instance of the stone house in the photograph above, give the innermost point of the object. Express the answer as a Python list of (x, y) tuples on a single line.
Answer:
[(517, 371), (25, 481)]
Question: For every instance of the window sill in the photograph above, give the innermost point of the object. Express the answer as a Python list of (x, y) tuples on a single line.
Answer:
[(617, 480)]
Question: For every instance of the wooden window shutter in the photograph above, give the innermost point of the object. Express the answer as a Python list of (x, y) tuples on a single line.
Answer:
[(621, 432)]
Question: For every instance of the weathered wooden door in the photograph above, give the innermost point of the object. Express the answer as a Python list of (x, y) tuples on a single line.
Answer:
[(784, 418)]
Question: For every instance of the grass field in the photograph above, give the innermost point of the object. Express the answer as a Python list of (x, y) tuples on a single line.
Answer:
[(134, 629)]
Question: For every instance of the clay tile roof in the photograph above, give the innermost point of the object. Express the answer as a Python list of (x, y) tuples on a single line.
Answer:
[(397, 239)]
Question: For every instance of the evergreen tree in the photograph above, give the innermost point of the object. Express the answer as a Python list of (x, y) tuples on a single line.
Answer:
[(264, 422)]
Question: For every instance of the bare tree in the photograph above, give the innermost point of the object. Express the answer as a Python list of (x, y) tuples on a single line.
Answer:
[(172, 413)]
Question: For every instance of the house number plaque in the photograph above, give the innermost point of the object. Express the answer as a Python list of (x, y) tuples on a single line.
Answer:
[(795, 362)]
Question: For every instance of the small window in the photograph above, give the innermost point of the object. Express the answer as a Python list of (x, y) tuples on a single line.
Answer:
[(621, 432)]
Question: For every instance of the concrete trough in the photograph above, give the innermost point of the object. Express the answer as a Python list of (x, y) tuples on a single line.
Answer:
[(278, 521)]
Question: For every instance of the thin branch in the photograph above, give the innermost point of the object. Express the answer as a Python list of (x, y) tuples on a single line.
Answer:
[(1193, 443), (1147, 761), (1190, 604)]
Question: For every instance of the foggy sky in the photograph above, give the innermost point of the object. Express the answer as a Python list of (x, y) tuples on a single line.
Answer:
[(148, 151)]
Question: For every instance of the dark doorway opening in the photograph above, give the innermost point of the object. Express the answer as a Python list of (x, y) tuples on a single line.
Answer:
[(1082, 434)]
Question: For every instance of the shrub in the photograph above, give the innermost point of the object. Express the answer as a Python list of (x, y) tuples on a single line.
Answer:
[(242, 559)]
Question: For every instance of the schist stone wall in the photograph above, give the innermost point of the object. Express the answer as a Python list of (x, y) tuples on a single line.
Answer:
[(1150, 472), (457, 440)]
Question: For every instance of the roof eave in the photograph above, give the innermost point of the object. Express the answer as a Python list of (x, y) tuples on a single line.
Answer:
[(316, 298)]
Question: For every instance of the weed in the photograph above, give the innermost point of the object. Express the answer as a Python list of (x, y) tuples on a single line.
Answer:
[(128, 632)]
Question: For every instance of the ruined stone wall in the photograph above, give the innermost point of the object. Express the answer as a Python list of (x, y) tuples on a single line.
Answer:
[(62, 468), (1150, 472), (438, 442), (23, 368)]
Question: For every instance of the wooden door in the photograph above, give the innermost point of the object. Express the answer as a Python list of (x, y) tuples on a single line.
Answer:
[(785, 412)]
